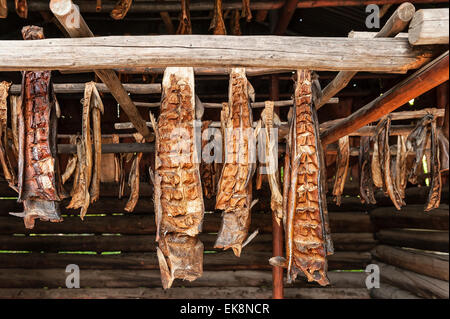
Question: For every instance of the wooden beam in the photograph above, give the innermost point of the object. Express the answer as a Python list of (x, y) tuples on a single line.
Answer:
[(182, 293), (412, 216), (70, 18), (112, 148), (387, 291), (285, 16), (396, 23), (429, 26), (433, 265), (418, 284), (70, 88), (350, 3), (388, 55), (420, 239), (418, 83)]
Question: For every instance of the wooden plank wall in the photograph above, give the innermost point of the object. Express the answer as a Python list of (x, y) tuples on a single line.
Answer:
[(115, 251)]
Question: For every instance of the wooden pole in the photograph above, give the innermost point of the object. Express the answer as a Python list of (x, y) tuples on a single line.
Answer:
[(418, 83), (388, 55), (429, 26), (70, 88), (396, 23), (112, 148), (70, 18), (277, 229)]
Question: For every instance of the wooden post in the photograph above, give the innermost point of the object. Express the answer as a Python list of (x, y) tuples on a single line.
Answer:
[(396, 23), (423, 80), (277, 229), (69, 16)]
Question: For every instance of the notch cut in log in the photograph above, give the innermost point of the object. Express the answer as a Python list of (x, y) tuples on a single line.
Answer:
[(396, 23), (70, 18), (429, 26), (388, 55), (423, 80)]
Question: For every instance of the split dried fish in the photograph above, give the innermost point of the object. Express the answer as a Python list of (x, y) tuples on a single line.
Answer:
[(185, 26), (366, 186), (342, 161), (121, 9), (178, 194), (234, 195), (217, 23), (133, 178)]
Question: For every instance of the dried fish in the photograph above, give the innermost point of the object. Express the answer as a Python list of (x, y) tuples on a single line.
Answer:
[(133, 178), (120, 10), (39, 182), (366, 186), (3, 9), (271, 122), (207, 170), (246, 12), (307, 231), (178, 194), (434, 196), (21, 8), (71, 163), (342, 161), (217, 23), (185, 26), (400, 166), (5, 151), (234, 195), (96, 109)]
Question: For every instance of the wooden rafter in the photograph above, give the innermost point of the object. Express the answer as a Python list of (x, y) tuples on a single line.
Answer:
[(418, 83)]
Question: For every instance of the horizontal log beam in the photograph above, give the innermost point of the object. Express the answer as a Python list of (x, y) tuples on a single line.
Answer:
[(420, 239), (411, 216), (330, 54), (429, 26), (175, 6), (183, 293), (387, 291), (250, 260), (112, 148), (420, 285), (71, 88), (418, 83), (105, 278), (433, 265)]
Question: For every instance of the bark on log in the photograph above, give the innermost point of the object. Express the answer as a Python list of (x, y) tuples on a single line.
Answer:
[(389, 55), (420, 239), (411, 216), (418, 83), (387, 291), (433, 265), (429, 26), (182, 293), (420, 285)]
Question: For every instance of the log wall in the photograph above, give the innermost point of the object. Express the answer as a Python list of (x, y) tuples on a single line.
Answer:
[(115, 251)]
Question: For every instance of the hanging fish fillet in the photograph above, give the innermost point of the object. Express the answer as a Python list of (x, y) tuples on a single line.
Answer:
[(366, 186), (178, 194), (121, 9), (96, 109), (342, 161), (443, 150), (207, 170), (80, 193), (71, 163), (21, 8), (8, 170), (307, 231), (246, 12), (400, 166), (381, 138), (234, 195), (133, 178), (185, 26), (39, 181), (423, 134), (15, 103), (234, 23), (271, 123), (3, 9), (217, 23)]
